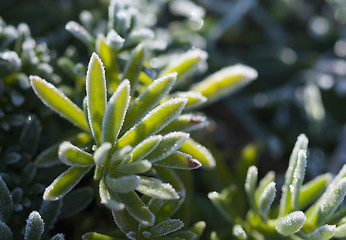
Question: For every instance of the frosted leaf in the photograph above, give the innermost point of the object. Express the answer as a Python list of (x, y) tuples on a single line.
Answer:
[(291, 223), (114, 40), (298, 178), (239, 232), (123, 184), (179, 160), (73, 156), (101, 154), (186, 123), (80, 33), (322, 233), (250, 184), (34, 226), (6, 203), (58, 236), (5, 231), (195, 99), (141, 34), (96, 236), (265, 200), (145, 147), (137, 167), (340, 231), (107, 199), (155, 188), (166, 227)]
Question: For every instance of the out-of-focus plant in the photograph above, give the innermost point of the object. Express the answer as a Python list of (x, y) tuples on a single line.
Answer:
[(304, 211)]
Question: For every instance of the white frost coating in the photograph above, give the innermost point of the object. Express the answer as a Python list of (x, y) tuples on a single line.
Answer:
[(114, 40), (81, 157), (322, 233), (34, 79), (239, 232), (332, 200), (79, 32), (101, 154), (155, 188), (298, 178), (166, 227), (266, 199), (34, 226), (141, 34), (138, 152), (291, 223), (199, 121), (340, 231), (251, 182), (123, 184), (95, 57), (163, 150)]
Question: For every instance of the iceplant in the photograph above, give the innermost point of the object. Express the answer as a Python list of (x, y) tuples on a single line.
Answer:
[(322, 220)]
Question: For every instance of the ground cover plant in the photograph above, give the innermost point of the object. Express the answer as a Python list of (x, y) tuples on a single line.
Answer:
[(124, 120)]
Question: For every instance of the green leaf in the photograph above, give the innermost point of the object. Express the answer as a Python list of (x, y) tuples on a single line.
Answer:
[(114, 40), (291, 223), (239, 232), (64, 183), (136, 208), (101, 154), (198, 229), (168, 145), (115, 112), (324, 232), (147, 100), (186, 123), (214, 236), (145, 147), (340, 231), (107, 198), (195, 99), (269, 177), (123, 184), (250, 185), (312, 189), (153, 122), (81, 34), (185, 64), (265, 200), (96, 236), (6, 203), (137, 167), (155, 188), (5, 231), (134, 66), (96, 96), (58, 102), (73, 156), (75, 201), (34, 227), (166, 227), (222, 203), (198, 152), (186, 235), (285, 201), (124, 221), (225, 81), (179, 160), (297, 181)]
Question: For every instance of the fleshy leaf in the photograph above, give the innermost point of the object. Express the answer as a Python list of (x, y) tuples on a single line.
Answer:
[(101, 154), (166, 227), (6, 203), (265, 200), (225, 81), (312, 189), (185, 64), (179, 160), (136, 208), (34, 226), (155, 188), (340, 231), (5, 231), (137, 167), (198, 152), (269, 177), (58, 102), (250, 185), (145, 147), (58, 236), (168, 145), (81, 33), (324, 232), (73, 156), (148, 99), (96, 96), (195, 99), (96, 236), (134, 66), (115, 112), (297, 181), (123, 184), (108, 199), (153, 122), (239, 232), (291, 223), (64, 183), (186, 123), (198, 229)]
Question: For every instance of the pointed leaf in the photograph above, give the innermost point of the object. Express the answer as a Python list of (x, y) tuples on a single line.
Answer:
[(115, 112), (6, 203), (123, 184), (147, 100), (124, 221), (137, 167), (185, 64), (291, 223), (186, 123), (96, 236), (136, 208), (134, 66), (153, 122), (58, 102), (96, 96), (166, 227), (225, 81), (34, 227), (195, 99), (198, 152), (179, 160), (198, 229), (155, 188), (145, 147), (64, 183), (169, 144), (73, 156)]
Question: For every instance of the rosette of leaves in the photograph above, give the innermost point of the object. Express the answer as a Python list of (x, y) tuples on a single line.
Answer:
[(311, 211)]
